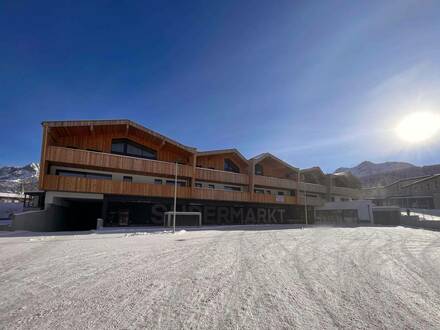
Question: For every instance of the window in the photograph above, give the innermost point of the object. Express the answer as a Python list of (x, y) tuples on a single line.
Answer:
[(268, 192), (259, 191), (179, 183), (129, 148), (230, 166), (211, 186), (157, 181), (258, 169), (84, 174), (281, 193), (232, 188), (127, 179), (198, 185)]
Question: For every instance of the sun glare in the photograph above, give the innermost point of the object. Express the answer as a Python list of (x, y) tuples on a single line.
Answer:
[(418, 127)]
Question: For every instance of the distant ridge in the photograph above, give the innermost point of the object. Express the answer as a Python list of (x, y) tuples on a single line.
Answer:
[(381, 174), (16, 179)]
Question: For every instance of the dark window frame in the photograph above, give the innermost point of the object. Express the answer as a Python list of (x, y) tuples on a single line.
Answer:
[(230, 166), (126, 143), (258, 170), (86, 175), (127, 178)]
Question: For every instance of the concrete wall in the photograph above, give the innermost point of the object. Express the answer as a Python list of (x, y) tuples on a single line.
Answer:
[(413, 221), (51, 219)]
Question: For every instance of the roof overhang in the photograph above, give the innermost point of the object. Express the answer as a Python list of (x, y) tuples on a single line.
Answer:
[(128, 123), (222, 152), (266, 155)]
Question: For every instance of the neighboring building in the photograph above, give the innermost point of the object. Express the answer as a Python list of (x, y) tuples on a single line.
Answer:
[(124, 173), (10, 203), (418, 192), (360, 212)]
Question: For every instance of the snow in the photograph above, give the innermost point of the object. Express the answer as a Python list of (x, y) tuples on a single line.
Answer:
[(240, 277)]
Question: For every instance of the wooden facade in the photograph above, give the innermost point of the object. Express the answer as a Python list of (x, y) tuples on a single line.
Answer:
[(87, 146)]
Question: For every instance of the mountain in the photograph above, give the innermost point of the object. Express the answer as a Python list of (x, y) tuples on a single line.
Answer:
[(16, 179), (381, 174)]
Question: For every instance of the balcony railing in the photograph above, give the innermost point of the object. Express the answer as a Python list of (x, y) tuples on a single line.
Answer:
[(313, 187), (312, 201), (85, 185), (268, 181), (100, 160), (346, 191), (206, 174)]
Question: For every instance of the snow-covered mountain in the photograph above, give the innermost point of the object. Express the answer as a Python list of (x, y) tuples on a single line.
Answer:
[(367, 168), (381, 174), (16, 179)]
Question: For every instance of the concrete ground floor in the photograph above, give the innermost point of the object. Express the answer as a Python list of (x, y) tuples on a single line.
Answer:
[(70, 211)]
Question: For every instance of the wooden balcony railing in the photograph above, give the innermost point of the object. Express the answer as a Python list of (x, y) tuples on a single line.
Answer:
[(105, 161), (346, 191), (84, 185), (313, 187), (268, 181), (312, 201), (205, 174)]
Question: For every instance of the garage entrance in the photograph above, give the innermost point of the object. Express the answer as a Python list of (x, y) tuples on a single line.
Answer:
[(82, 214)]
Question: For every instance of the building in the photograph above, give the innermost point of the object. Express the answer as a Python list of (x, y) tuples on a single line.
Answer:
[(418, 192), (358, 212), (122, 172), (10, 203)]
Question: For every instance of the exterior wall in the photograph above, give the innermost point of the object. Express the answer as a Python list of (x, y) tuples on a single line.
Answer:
[(273, 168), (364, 209), (150, 211), (216, 162), (103, 142)]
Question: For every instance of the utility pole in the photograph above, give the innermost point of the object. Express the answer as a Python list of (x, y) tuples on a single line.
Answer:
[(175, 199), (305, 203)]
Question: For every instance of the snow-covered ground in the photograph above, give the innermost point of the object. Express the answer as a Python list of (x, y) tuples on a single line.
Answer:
[(245, 277)]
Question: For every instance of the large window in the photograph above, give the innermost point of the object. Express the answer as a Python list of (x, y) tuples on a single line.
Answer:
[(258, 169), (230, 166), (232, 188), (129, 148), (87, 175)]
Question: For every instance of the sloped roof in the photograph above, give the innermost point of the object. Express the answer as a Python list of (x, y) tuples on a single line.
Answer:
[(223, 151), (265, 155), (77, 123), (422, 180), (416, 178), (313, 169)]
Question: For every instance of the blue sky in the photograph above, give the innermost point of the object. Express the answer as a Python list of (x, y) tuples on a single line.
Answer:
[(315, 83)]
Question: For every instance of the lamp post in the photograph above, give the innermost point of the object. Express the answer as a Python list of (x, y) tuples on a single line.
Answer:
[(305, 203), (175, 199)]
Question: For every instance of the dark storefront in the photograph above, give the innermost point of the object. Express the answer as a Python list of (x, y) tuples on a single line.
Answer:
[(138, 211)]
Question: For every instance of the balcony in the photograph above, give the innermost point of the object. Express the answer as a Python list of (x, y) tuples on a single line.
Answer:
[(84, 185), (105, 161), (312, 201), (268, 181), (344, 191), (206, 174), (313, 187)]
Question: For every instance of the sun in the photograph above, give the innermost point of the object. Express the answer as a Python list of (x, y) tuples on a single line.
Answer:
[(418, 127)]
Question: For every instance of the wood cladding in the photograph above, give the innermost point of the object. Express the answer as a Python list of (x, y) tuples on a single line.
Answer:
[(204, 174), (272, 168), (79, 184), (266, 181), (216, 162), (104, 161)]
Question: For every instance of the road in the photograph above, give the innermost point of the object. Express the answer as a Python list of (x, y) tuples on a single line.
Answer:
[(249, 277)]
